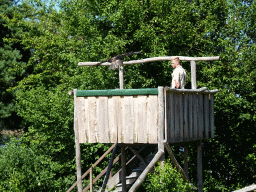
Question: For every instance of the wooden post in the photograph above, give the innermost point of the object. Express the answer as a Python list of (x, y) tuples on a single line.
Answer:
[(123, 163), (186, 160), (161, 121), (78, 155), (212, 115), (193, 74), (199, 167), (121, 75)]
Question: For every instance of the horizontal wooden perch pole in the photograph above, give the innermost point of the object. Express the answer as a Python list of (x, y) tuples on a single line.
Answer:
[(152, 59)]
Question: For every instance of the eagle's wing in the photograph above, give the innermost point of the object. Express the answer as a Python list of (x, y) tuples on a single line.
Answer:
[(113, 60)]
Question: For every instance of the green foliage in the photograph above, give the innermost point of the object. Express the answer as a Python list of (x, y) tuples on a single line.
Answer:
[(12, 58), (165, 178), (23, 168)]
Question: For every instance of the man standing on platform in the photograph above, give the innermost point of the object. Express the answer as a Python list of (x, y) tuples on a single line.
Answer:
[(179, 75)]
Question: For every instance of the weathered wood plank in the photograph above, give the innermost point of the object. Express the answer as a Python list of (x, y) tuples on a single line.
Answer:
[(181, 138), (176, 117), (120, 120), (114, 114), (212, 115), (140, 110), (81, 119), (128, 120), (195, 117), (92, 119), (103, 130), (97, 118), (206, 115), (191, 131), (168, 116), (200, 116), (185, 119), (86, 119), (172, 120), (152, 125)]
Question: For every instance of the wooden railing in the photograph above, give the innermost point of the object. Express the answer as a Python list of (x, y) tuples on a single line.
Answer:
[(91, 169)]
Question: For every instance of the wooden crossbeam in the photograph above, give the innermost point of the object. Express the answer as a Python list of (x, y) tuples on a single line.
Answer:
[(152, 59)]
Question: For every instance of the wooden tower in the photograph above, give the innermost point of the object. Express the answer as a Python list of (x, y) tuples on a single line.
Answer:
[(130, 117)]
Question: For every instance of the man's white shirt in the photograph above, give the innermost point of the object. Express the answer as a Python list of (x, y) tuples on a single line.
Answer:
[(179, 74)]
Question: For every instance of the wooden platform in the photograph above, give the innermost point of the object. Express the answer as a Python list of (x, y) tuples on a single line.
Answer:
[(132, 115)]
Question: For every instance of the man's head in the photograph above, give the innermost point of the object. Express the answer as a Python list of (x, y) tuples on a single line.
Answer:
[(175, 62)]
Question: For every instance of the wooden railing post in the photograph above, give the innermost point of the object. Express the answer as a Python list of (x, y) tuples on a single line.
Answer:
[(121, 75), (193, 74)]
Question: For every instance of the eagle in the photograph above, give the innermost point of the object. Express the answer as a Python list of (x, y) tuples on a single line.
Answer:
[(116, 60)]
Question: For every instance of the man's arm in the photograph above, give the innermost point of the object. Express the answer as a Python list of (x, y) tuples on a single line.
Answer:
[(177, 84)]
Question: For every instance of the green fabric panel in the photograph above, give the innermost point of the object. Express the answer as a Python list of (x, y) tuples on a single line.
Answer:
[(117, 92)]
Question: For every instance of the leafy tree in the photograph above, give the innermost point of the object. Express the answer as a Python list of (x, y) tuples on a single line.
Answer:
[(90, 31), (13, 58)]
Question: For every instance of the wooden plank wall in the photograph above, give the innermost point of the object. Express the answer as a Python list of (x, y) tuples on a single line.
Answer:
[(189, 116), (122, 119)]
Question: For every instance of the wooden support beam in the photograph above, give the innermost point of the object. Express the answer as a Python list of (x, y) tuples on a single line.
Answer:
[(153, 59), (161, 122), (109, 169), (138, 155), (91, 180), (146, 171), (175, 162), (200, 167), (186, 160), (78, 155), (123, 163)]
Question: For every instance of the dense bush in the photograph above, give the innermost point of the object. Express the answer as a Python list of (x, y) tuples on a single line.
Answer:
[(166, 179)]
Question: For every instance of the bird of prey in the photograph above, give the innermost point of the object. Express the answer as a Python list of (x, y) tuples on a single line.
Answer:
[(116, 60)]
